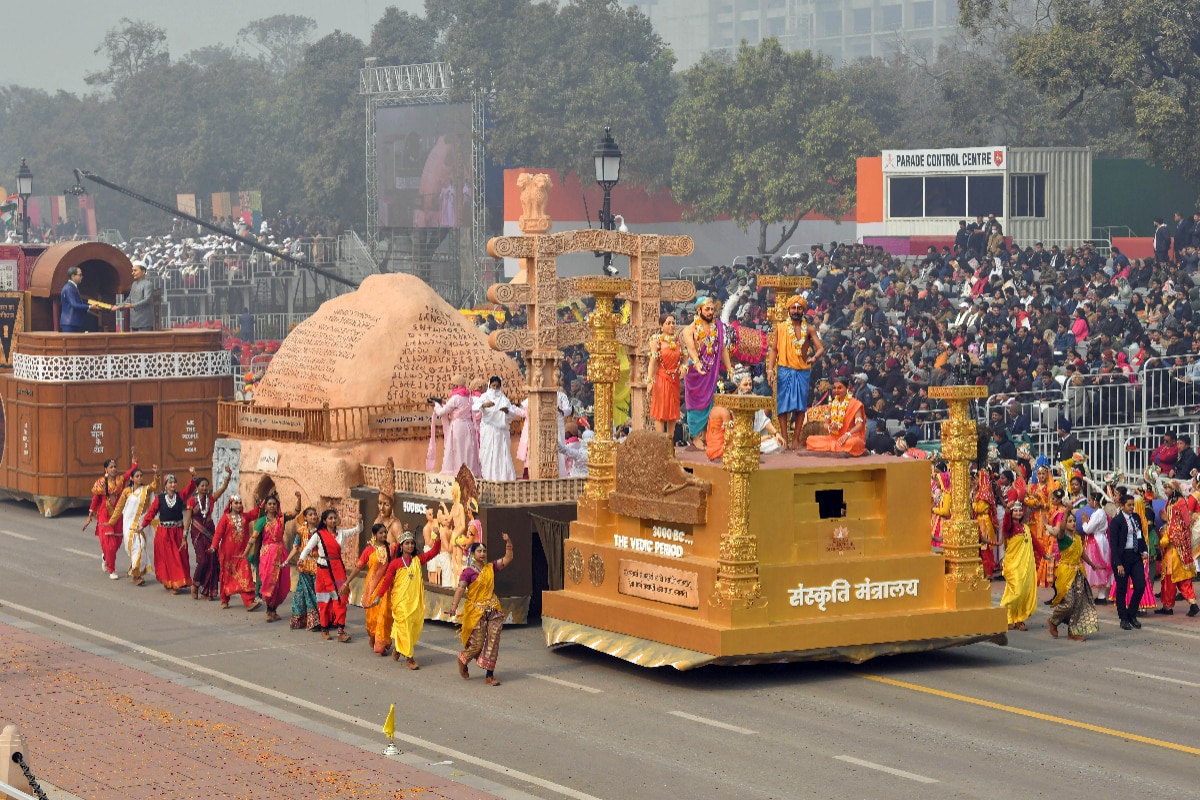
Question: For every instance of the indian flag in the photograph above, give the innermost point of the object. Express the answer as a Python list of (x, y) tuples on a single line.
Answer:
[(8, 207)]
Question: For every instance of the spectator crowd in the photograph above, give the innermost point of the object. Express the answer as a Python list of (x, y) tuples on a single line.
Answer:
[(1081, 325)]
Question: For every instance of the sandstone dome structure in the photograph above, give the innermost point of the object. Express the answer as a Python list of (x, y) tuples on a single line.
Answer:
[(394, 342)]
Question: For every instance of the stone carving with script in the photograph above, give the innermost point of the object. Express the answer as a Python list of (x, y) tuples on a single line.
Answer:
[(651, 484)]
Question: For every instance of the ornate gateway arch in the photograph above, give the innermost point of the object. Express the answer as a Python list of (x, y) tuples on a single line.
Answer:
[(541, 342)]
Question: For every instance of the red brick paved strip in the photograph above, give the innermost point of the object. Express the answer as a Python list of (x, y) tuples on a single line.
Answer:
[(104, 731)]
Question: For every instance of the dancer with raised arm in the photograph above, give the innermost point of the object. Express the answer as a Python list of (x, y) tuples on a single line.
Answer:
[(482, 618)]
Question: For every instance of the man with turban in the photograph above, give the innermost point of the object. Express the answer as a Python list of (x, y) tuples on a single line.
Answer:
[(793, 350)]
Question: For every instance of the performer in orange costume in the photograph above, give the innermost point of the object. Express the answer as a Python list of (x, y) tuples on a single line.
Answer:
[(847, 422)]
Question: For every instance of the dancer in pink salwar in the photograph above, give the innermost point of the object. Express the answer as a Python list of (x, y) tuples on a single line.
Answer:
[(461, 445), (1098, 567)]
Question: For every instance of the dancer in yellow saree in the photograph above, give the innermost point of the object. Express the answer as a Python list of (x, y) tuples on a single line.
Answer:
[(482, 619), (1020, 576), (1072, 594), (403, 589)]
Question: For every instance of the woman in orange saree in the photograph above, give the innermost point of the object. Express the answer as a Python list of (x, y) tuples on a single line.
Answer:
[(847, 423), (1040, 503)]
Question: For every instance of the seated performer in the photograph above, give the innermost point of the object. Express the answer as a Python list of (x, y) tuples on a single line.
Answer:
[(847, 422)]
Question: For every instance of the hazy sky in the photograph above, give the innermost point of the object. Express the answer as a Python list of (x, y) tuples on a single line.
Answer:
[(48, 44)]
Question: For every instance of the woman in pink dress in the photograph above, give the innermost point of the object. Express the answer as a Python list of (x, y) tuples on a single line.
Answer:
[(1098, 567), (273, 571), (461, 445)]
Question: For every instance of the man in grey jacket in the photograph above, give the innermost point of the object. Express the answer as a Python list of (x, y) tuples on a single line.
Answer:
[(141, 300)]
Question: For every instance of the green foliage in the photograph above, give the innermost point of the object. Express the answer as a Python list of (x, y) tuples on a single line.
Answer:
[(402, 38), (131, 48), (559, 75), (1139, 59), (766, 139), (279, 40)]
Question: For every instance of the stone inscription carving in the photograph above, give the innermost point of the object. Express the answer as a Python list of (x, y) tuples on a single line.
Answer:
[(316, 352), (458, 353)]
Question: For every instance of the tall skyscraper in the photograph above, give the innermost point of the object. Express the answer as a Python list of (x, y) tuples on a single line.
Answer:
[(844, 30)]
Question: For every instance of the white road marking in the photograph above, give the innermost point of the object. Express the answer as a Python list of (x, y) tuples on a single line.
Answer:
[(435, 648), (1004, 647), (251, 650), (1157, 629), (21, 536), (73, 551), (713, 722), (899, 773), (568, 684), (1162, 678), (316, 708)]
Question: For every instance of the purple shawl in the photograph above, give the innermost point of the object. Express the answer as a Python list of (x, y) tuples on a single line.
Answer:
[(698, 390)]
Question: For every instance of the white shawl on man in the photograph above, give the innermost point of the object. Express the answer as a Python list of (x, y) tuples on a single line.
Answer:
[(495, 441)]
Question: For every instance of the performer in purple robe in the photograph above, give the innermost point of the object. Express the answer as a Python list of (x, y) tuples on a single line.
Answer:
[(705, 340)]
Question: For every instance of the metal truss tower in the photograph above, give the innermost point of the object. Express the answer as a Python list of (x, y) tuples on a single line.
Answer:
[(425, 84)]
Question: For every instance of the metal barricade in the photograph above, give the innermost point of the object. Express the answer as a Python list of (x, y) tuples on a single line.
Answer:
[(1171, 387)]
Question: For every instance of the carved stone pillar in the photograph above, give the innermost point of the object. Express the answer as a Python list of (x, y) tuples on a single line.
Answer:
[(960, 540), (737, 573), (603, 370)]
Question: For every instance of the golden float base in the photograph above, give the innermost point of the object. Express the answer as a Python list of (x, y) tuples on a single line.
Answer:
[(648, 653), (834, 564)]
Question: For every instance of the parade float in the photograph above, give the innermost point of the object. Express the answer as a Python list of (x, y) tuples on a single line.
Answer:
[(71, 401), (675, 560)]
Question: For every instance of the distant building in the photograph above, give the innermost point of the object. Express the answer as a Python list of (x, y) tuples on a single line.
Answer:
[(844, 30)]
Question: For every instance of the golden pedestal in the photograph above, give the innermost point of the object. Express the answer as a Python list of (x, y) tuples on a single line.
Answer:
[(788, 558)]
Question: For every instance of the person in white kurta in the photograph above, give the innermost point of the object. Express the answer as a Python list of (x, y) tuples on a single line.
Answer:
[(577, 452), (495, 441), (564, 411)]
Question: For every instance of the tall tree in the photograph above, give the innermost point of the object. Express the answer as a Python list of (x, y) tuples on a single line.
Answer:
[(279, 40), (559, 75), (132, 47), (323, 126), (403, 38), (1138, 59), (765, 139)]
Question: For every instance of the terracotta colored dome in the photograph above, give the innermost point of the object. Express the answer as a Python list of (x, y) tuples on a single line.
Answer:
[(394, 342)]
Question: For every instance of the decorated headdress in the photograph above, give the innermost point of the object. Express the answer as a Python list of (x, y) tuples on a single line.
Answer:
[(700, 301), (797, 300), (740, 373), (407, 536)]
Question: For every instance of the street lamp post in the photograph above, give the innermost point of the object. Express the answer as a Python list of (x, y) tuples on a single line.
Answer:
[(24, 191), (608, 173)]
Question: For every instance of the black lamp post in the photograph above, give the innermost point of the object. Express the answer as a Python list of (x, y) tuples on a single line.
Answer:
[(24, 191), (608, 173)]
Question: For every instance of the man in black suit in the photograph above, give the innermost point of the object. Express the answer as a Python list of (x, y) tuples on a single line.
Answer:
[(1127, 543), (977, 238), (963, 237), (1183, 233), (1068, 443), (1162, 241)]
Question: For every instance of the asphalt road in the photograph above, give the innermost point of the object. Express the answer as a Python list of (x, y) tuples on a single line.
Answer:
[(1116, 716)]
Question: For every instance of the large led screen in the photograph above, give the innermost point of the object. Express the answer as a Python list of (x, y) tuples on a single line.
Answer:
[(424, 166)]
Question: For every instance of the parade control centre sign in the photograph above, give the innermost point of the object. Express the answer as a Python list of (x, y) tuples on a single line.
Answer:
[(956, 160)]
